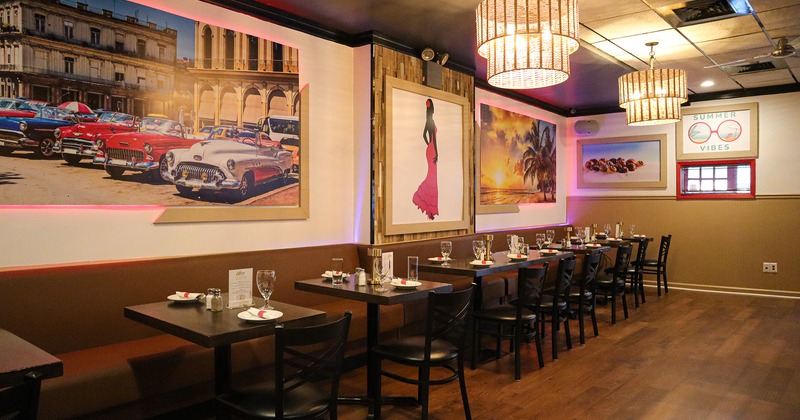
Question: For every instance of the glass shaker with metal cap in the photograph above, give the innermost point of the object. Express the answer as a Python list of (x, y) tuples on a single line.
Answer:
[(216, 300)]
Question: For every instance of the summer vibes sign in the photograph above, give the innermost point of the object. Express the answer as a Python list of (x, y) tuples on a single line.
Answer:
[(718, 133)]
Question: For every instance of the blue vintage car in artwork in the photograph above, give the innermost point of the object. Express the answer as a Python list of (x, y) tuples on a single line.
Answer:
[(33, 133)]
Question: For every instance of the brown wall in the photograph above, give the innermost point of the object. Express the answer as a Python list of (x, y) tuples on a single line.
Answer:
[(716, 244)]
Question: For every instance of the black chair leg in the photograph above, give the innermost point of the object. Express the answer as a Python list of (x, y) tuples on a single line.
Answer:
[(613, 308), (376, 403), (463, 385), (581, 322), (664, 272), (476, 339), (658, 283), (567, 333), (641, 287), (424, 389), (554, 336), (517, 353), (624, 297), (539, 352)]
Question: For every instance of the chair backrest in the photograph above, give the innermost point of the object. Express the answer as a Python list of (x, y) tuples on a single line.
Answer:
[(663, 251), (448, 314), (531, 283), (591, 263), (309, 354), (21, 401), (566, 268), (641, 254), (622, 262)]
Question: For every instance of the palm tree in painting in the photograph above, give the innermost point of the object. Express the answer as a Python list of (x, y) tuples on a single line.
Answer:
[(539, 160)]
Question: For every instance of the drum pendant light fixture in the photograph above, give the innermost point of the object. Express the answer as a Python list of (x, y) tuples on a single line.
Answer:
[(527, 43), (653, 96)]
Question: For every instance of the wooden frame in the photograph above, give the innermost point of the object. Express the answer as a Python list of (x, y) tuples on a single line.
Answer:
[(649, 150), (245, 213), (680, 195), (700, 132), (405, 122)]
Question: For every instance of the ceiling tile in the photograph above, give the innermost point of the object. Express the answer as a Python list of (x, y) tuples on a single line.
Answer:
[(766, 78), (589, 36), (739, 25), (592, 10), (626, 25), (763, 5), (736, 45), (696, 74), (780, 18), (747, 55), (671, 46)]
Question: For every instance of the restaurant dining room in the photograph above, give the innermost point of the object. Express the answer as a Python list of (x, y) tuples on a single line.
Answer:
[(489, 209)]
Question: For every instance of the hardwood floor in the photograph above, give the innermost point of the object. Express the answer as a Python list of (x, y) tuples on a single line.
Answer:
[(688, 355)]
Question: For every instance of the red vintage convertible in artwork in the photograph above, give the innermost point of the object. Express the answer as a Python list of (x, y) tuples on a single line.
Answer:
[(79, 141), (143, 150)]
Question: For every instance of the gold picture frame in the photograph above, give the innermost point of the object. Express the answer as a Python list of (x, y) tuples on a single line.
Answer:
[(405, 148), (650, 151), (735, 136), (251, 213)]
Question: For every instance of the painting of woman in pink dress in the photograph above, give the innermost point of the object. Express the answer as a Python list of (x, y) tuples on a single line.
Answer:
[(427, 196)]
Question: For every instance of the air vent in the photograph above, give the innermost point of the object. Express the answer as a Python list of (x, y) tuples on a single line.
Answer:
[(702, 11), (755, 68)]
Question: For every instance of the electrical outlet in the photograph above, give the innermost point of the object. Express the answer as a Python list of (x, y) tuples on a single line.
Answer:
[(773, 268), (765, 267)]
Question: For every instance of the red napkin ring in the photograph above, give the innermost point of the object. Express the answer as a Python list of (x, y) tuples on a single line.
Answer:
[(402, 281), (261, 314), (483, 262)]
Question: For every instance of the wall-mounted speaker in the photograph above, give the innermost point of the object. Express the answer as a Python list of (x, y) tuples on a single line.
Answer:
[(587, 127)]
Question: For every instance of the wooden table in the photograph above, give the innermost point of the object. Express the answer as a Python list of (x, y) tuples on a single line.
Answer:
[(580, 249), (373, 299), (462, 267), (19, 358), (217, 330)]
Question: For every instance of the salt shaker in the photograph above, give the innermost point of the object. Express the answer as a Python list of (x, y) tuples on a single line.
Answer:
[(216, 300), (361, 277), (209, 293)]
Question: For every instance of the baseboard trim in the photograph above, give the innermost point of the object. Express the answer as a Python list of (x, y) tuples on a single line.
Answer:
[(785, 294)]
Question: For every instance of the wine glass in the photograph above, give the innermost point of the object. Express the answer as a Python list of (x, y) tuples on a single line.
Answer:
[(550, 234), (447, 248), (265, 280), (384, 268), (607, 229), (540, 237), (581, 234), (633, 229), (478, 248)]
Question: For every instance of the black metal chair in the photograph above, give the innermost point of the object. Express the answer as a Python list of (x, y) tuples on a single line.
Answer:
[(582, 297), (21, 401), (519, 314), (635, 273), (305, 359), (441, 346), (659, 266), (554, 305), (613, 284)]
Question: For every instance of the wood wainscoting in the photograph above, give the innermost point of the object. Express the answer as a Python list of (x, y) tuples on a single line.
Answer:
[(717, 245)]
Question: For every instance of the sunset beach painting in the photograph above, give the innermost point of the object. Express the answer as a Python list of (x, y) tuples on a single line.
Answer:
[(517, 158)]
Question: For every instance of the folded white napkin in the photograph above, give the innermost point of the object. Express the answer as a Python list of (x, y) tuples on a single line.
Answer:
[(258, 312), (189, 295)]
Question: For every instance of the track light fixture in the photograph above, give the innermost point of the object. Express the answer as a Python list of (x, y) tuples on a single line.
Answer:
[(428, 54)]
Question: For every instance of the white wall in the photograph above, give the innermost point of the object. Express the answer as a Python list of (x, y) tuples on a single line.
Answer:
[(778, 151), (529, 214), (54, 235)]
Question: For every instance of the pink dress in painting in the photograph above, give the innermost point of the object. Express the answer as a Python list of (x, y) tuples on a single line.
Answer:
[(427, 196)]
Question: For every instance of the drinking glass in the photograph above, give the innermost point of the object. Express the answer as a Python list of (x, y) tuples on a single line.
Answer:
[(384, 268), (413, 268), (633, 229), (509, 241), (520, 244), (581, 234), (336, 271), (478, 248), (550, 234), (265, 281), (607, 229), (447, 248), (540, 237)]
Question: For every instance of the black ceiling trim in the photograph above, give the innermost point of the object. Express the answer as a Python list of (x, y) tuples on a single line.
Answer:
[(379, 38), (283, 18), (479, 83), (743, 93)]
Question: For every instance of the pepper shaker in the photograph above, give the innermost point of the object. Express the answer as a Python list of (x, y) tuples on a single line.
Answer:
[(216, 300)]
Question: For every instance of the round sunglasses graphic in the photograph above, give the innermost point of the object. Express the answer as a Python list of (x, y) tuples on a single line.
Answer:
[(728, 131)]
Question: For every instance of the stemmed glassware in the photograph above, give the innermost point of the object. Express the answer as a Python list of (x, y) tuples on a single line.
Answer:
[(265, 281), (479, 249), (607, 229), (550, 234), (384, 268), (540, 237), (633, 229), (447, 249), (581, 234)]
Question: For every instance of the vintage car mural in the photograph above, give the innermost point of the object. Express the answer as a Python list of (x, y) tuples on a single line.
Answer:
[(280, 126), (234, 166), (143, 150), (79, 141), (292, 144), (34, 133), (22, 109)]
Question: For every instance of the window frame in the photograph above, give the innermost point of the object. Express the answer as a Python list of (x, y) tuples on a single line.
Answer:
[(69, 65), (681, 195), (69, 30), (40, 22), (95, 35)]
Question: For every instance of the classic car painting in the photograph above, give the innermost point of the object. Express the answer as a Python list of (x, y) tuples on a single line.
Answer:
[(143, 150), (79, 141), (235, 166), (22, 109), (34, 133)]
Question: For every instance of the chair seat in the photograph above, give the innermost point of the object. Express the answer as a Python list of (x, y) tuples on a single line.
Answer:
[(305, 401), (650, 263), (547, 303), (412, 350), (504, 313), (575, 293)]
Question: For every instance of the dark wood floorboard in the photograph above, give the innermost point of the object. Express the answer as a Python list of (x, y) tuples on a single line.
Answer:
[(688, 355)]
